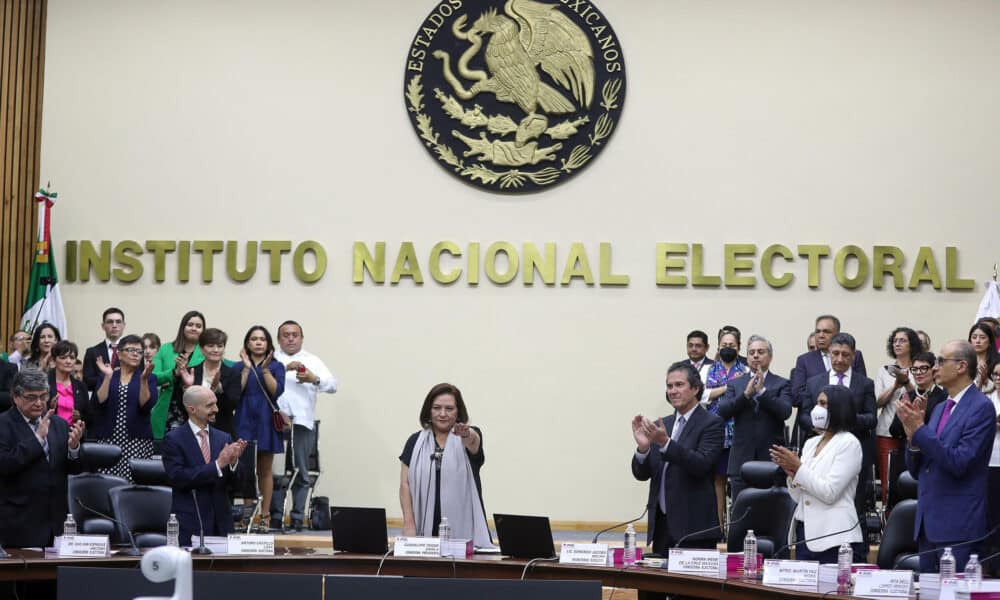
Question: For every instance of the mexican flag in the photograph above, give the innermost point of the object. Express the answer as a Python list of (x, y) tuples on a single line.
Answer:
[(44, 301)]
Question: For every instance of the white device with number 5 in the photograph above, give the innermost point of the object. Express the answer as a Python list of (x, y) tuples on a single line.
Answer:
[(166, 563)]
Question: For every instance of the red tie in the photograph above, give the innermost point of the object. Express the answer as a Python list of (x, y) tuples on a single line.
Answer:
[(205, 452), (114, 355)]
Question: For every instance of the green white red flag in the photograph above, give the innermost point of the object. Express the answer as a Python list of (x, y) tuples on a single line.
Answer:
[(43, 303)]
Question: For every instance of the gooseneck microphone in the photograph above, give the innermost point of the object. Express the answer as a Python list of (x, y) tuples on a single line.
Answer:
[(598, 534), (684, 538), (958, 545), (201, 549), (818, 537), (134, 550)]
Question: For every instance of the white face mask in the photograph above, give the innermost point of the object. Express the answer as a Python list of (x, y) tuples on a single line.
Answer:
[(819, 417)]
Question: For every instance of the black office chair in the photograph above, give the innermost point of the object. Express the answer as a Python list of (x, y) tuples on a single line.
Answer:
[(95, 456), (148, 471), (91, 489), (897, 538), (144, 510), (771, 506)]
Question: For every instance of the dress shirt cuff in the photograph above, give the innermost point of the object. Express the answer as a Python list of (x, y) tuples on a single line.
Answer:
[(663, 448), (218, 469), (74, 453), (327, 385), (641, 456)]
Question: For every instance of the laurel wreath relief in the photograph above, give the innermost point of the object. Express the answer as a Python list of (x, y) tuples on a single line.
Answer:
[(513, 178)]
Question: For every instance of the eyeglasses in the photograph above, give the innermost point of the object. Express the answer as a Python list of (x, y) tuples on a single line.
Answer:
[(995, 375), (132, 351), (22, 338), (32, 398), (920, 370), (942, 359)]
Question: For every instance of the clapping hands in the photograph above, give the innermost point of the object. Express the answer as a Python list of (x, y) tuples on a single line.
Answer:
[(648, 432)]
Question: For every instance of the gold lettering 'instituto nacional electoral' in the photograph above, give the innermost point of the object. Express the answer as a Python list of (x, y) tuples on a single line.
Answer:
[(514, 95)]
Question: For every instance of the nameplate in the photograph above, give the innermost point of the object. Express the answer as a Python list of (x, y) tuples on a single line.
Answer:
[(251, 544), (418, 547), (700, 562), (791, 572), (879, 583), (83, 546), (584, 554)]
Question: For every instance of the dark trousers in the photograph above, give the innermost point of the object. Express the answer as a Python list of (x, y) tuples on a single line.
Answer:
[(736, 485), (802, 552), (303, 441), (929, 561), (664, 539)]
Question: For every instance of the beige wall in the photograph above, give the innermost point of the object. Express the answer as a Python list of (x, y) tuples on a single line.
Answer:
[(765, 122)]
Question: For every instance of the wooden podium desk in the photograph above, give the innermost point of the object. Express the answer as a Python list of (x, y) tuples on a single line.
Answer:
[(32, 565)]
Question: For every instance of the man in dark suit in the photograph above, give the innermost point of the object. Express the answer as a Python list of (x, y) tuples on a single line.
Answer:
[(113, 324), (199, 461), (37, 452), (7, 373), (678, 454), (842, 357), (697, 348), (759, 404), (813, 363), (950, 457)]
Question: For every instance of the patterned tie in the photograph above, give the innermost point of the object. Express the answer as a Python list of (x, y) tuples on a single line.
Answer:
[(663, 475), (114, 355), (45, 442), (840, 379), (946, 415), (203, 442)]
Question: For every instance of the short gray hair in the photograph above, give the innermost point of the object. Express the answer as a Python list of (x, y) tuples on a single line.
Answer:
[(760, 338), (31, 379)]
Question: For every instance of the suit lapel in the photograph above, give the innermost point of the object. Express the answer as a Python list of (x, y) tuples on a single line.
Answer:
[(957, 413), (687, 426)]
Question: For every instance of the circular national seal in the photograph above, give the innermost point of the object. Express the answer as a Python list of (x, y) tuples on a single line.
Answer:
[(514, 95)]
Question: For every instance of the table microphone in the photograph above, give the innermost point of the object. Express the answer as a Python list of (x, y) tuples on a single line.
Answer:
[(696, 533), (818, 537), (959, 544), (134, 550), (598, 534), (201, 549)]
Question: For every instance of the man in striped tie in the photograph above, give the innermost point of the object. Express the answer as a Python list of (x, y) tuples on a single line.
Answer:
[(199, 461), (950, 457)]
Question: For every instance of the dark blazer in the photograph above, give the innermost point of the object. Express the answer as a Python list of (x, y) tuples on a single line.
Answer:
[(811, 364), (952, 470), (758, 423), (91, 374), (863, 395), (102, 423), (936, 396), (81, 397), (33, 490), (228, 400), (7, 373), (706, 362), (690, 485), (187, 471)]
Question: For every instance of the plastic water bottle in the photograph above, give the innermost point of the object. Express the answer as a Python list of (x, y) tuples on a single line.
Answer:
[(69, 525), (946, 566), (845, 560), (750, 555), (973, 572), (444, 534), (173, 531), (628, 554)]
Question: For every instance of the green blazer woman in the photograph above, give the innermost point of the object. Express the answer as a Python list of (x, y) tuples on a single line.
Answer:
[(165, 361)]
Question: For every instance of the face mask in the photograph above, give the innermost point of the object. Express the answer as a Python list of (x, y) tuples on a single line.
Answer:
[(727, 354), (819, 417)]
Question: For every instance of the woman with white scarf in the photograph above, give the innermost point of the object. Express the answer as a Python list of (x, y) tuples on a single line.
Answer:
[(439, 476)]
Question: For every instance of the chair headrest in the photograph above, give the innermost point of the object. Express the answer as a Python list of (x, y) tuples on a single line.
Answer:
[(148, 471), (906, 486), (99, 456), (760, 473)]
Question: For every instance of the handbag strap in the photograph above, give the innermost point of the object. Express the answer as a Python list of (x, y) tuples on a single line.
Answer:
[(274, 407)]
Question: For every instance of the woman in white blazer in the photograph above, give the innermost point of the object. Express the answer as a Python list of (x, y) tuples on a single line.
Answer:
[(823, 481)]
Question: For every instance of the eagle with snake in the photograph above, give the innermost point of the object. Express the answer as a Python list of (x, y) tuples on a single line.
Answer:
[(530, 35)]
